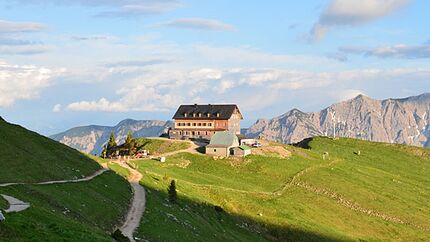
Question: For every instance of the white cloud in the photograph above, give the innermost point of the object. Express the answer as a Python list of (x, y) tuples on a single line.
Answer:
[(251, 57), (16, 27), (90, 37), (116, 8), (23, 49), (56, 108), (23, 82), (101, 105), (199, 23), (401, 51), (162, 89), (353, 13), (348, 94)]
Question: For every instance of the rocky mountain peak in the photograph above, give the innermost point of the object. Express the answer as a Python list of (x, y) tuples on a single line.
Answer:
[(90, 139), (404, 121)]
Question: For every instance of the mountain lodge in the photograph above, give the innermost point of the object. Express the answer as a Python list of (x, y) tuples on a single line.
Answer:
[(202, 121)]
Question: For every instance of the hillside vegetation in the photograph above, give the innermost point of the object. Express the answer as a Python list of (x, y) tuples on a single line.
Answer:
[(29, 157), (82, 211), (159, 145), (87, 211), (359, 191)]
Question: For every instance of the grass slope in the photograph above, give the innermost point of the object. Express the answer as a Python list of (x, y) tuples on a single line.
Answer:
[(29, 157), (381, 194), (87, 211), (84, 211), (160, 146)]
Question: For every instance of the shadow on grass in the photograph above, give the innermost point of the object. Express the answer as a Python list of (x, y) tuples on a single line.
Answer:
[(189, 220), (303, 144)]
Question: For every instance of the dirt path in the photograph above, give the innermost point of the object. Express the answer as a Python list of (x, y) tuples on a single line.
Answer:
[(295, 178), (137, 207), (15, 205), (88, 178)]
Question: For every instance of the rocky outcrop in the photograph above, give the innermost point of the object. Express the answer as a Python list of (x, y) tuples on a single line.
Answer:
[(91, 139), (403, 121)]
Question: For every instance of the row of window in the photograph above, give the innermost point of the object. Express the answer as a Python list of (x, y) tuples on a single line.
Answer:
[(194, 124), (194, 133), (200, 115)]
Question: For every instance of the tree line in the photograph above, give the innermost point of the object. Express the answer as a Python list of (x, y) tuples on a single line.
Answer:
[(112, 149)]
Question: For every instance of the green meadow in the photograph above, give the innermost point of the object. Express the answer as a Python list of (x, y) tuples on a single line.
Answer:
[(83, 211), (359, 191)]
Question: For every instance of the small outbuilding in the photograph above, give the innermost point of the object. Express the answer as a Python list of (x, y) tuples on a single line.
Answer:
[(222, 143), (242, 150), (248, 142)]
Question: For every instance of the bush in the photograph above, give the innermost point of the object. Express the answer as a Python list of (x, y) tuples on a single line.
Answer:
[(173, 196)]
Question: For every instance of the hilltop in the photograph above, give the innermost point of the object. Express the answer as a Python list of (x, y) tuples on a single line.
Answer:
[(401, 121), (29, 157), (77, 199), (330, 190)]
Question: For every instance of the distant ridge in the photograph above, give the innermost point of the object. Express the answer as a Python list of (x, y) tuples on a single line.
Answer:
[(403, 121), (90, 139)]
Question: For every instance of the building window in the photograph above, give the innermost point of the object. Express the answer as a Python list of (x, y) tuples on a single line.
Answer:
[(208, 114), (214, 150), (217, 115), (199, 124), (209, 124), (194, 124), (200, 115), (204, 124), (185, 114), (198, 132), (194, 115), (188, 124)]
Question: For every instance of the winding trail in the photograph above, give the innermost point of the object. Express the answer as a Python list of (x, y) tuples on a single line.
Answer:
[(87, 178), (137, 207), (16, 205)]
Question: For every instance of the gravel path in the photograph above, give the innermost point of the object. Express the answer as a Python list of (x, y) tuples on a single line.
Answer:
[(137, 207), (97, 173), (15, 205)]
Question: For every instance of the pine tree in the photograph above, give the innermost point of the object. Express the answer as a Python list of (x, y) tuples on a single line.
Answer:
[(129, 143), (112, 141), (173, 196), (111, 145), (129, 139)]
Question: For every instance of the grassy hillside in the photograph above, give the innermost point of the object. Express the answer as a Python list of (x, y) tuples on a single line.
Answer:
[(160, 146), (381, 194), (29, 157), (83, 211), (87, 211)]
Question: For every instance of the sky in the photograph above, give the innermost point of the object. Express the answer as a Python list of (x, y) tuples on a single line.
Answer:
[(68, 63)]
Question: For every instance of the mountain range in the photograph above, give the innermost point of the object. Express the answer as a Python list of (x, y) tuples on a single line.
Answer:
[(91, 139), (402, 121)]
